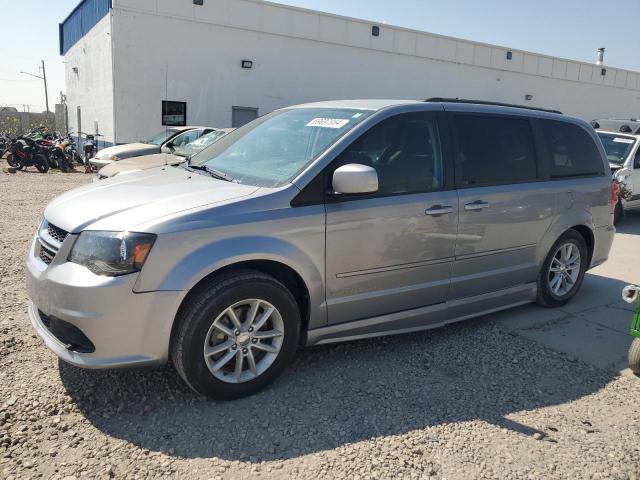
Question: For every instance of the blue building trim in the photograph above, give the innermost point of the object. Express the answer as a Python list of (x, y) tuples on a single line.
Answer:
[(82, 19)]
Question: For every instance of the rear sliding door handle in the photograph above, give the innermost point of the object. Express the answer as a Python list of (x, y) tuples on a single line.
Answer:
[(438, 210), (476, 206)]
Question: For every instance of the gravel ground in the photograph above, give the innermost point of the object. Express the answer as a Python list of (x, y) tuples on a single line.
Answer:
[(467, 401)]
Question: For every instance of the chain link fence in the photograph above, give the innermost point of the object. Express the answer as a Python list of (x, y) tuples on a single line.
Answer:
[(14, 123)]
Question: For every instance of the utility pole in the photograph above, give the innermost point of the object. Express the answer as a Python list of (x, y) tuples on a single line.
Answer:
[(43, 77), (46, 92)]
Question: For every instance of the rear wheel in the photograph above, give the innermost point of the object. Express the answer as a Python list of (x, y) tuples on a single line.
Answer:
[(563, 270), (235, 335), (618, 214), (634, 356)]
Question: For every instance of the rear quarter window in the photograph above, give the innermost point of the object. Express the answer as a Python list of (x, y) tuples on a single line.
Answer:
[(572, 151)]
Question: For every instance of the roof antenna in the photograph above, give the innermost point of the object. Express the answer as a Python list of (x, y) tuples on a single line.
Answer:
[(166, 98)]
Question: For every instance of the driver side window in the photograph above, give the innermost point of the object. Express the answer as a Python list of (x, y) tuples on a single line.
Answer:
[(406, 152), (636, 162), (185, 138)]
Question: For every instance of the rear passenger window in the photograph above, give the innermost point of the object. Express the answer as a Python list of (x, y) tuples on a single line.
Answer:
[(494, 150), (406, 152), (572, 151)]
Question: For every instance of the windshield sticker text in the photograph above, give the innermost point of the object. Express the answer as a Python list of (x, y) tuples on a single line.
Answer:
[(327, 122)]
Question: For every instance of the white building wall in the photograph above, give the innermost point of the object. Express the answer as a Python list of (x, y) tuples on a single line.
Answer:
[(172, 49), (91, 88)]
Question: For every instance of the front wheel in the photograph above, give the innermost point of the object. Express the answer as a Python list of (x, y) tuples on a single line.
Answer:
[(563, 270), (235, 335), (634, 356), (41, 163), (14, 161)]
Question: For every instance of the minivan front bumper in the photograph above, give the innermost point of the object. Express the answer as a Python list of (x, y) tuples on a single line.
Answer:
[(123, 328)]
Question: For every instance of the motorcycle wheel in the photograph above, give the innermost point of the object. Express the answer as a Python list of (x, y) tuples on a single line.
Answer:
[(53, 160), (41, 163), (14, 162)]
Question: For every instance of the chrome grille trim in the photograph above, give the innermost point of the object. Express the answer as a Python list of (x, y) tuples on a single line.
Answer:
[(57, 233), (50, 239), (46, 255)]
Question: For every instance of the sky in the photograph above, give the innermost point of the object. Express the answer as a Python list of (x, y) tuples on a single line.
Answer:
[(572, 29)]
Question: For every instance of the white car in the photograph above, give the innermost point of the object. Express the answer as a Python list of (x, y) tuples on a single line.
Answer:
[(160, 143), (621, 141)]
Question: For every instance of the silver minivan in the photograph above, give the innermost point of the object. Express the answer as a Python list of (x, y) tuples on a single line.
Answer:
[(320, 223)]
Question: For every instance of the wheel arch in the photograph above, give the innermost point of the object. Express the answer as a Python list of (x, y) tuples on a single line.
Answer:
[(587, 234), (283, 273)]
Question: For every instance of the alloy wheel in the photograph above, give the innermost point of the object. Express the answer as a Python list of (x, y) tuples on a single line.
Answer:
[(564, 270), (244, 341)]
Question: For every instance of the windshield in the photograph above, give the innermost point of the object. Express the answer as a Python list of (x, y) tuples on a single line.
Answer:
[(199, 144), (273, 149), (617, 147), (162, 137)]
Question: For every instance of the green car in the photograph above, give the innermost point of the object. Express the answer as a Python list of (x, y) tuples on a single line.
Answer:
[(631, 294)]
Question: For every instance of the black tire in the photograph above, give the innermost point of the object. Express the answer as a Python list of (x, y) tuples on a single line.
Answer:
[(41, 163), (14, 161), (546, 297), (618, 214), (198, 314), (53, 160), (634, 356)]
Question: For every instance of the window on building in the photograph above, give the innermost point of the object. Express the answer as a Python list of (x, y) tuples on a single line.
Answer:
[(494, 150), (572, 151), (242, 115), (174, 114), (406, 152)]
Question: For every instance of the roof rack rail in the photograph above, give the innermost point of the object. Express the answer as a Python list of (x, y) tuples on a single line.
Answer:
[(483, 102)]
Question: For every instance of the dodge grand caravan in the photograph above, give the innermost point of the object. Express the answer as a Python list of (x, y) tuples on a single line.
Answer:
[(320, 223)]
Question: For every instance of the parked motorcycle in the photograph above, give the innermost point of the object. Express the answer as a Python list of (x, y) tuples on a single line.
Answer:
[(25, 152), (4, 145), (60, 154), (90, 146)]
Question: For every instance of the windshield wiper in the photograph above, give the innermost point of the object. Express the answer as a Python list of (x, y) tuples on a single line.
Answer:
[(213, 172)]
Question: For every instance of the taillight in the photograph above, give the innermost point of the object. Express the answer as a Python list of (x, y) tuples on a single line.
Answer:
[(615, 195)]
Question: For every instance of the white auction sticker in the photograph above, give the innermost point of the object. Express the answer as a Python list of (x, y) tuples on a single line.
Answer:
[(327, 122), (623, 140)]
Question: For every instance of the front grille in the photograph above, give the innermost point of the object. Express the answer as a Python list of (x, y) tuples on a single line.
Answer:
[(71, 336), (46, 255), (57, 233)]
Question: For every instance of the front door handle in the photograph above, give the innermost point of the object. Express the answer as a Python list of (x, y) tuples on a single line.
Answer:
[(438, 210), (476, 206)]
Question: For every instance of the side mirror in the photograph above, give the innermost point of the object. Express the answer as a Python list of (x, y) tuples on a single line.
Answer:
[(354, 179), (168, 147)]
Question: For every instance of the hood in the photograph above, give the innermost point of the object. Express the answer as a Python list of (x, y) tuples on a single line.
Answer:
[(125, 201), (140, 163), (128, 150)]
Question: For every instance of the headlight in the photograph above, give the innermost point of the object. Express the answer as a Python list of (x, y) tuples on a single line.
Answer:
[(115, 158), (112, 253)]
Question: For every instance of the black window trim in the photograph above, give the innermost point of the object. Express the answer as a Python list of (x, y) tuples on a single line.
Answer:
[(456, 148), (308, 197)]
